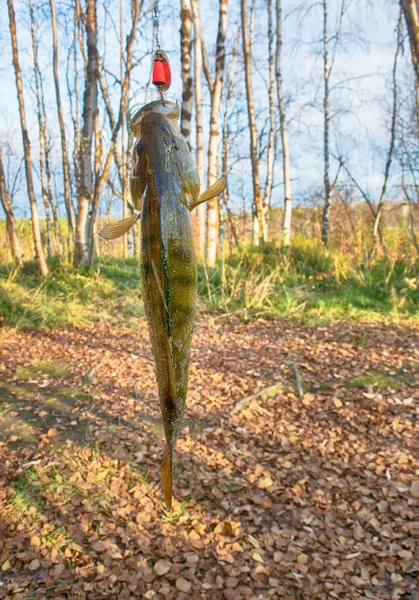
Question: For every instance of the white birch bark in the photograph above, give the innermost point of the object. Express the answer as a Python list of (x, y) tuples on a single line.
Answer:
[(41, 129), (89, 114), (286, 223), (257, 193), (271, 139), (199, 128), (213, 205), (36, 232), (411, 14), (64, 155), (187, 83), (11, 228)]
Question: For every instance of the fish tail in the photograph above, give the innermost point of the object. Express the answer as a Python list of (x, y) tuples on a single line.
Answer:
[(166, 471)]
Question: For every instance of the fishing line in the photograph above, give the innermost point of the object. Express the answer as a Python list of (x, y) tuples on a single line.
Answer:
[(156, 11), (161, 73)]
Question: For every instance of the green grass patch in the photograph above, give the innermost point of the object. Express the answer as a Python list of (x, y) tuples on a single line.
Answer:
[(27, 497), (380, 381), (301, 282)]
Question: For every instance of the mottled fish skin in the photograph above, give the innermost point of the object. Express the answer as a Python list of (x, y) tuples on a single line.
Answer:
[(165, 187), (164, 168)]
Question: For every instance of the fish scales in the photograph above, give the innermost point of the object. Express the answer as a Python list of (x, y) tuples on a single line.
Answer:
[(165, 186)]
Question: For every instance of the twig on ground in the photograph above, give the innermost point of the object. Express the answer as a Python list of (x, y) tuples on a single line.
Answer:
[(52, 587), (91, 374), (298, 380), (270, 391)]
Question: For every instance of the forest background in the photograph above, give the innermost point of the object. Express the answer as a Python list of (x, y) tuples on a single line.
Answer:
[(311, 116), (296, 472)]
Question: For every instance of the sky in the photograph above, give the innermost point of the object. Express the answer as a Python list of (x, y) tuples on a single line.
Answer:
[(360, 87)]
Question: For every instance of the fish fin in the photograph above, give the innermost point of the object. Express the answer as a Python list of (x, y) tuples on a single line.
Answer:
[(115, 230), (166, 471), (214, 190)]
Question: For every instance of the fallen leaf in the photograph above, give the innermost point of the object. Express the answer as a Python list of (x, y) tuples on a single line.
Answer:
[(162, 567), (183, 585), (34, 564)]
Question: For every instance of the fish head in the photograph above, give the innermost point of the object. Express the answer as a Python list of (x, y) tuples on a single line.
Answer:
[(156, 125)]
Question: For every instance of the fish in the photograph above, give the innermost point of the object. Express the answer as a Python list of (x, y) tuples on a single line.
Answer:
[(165, 189)]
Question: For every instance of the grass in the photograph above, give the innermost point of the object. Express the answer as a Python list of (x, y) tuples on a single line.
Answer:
[(302, 282), (26, 495)]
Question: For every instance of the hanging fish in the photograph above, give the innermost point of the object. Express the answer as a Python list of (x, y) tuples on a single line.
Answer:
[(165, 188)]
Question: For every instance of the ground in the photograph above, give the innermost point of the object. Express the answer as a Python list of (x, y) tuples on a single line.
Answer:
[(310, 495)]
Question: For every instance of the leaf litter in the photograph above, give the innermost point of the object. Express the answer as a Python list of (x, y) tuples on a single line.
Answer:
[(291, 495)]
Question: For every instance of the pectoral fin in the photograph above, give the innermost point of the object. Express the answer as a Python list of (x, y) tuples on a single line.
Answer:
[(214, 190), (115, 230)]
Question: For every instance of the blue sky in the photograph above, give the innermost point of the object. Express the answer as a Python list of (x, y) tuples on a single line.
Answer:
[(360, 98)]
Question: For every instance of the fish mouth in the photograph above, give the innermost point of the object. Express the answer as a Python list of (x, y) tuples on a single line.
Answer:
[(170, 110)]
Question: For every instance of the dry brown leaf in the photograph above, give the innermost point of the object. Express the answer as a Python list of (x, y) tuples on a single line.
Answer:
[(162, 567), (183, 585)]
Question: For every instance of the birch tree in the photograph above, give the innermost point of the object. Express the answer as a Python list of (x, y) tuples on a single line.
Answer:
[(64, 154), (102, 169), (328, 64), (11, 228), (286, 223), (201, 211), (216, 92), (225, 142), (411, 14), (36, 231), (89, 114), (257, 192), (41, 128), (187, 83), (380, 206), (271, 137)]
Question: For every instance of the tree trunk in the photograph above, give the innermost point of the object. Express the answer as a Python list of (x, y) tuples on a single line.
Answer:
[(257, 194), (201, 211), (11, 228), (124, 239), (380, 207), (213, 205), (187, 83), (103, 176), (39, 252), (326, 121), (89, 114), (411, 14), (271, 139), (64, 156), (286, 223), (224, 167), (41, 127)]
